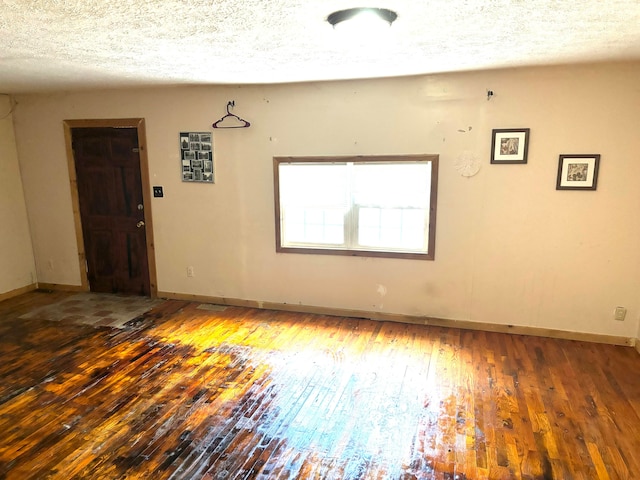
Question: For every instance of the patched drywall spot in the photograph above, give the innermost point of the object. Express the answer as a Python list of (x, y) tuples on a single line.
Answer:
[(382, 291), (430, 289)]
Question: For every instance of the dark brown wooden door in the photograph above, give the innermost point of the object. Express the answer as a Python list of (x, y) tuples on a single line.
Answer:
[(111, 209)]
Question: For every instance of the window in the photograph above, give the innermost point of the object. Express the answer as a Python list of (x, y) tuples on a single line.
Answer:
[(366, 206)]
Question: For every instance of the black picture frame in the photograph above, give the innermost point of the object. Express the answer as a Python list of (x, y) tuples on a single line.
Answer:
[(509, 145), (578, 172)]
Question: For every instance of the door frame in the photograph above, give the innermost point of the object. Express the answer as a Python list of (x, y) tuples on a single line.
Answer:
[(139, 125)]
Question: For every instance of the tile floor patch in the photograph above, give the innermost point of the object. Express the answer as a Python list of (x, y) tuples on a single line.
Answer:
[(98, 309), (211, 307)]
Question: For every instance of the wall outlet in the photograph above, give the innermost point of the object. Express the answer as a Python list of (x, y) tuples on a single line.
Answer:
[(620, 313), (189, 271)]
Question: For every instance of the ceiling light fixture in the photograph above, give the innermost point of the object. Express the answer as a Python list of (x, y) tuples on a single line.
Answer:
[(383, 14)]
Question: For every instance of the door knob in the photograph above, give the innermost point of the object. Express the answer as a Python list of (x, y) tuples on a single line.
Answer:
[(140, 224)]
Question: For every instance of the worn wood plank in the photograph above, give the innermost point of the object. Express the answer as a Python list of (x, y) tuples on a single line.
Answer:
[(244, 393)]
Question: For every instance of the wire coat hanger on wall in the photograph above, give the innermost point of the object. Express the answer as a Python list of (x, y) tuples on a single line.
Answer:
[(243, 122)]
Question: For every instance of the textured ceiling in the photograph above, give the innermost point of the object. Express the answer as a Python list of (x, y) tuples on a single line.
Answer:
[(50, 45)]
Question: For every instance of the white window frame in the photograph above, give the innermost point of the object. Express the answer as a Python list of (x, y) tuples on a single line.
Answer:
[(344, 249)]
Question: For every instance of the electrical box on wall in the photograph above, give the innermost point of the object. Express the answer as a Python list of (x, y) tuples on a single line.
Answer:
[(620, 313)]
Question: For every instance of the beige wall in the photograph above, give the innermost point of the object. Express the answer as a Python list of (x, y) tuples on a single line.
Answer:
[(510, 248), (16, 256)]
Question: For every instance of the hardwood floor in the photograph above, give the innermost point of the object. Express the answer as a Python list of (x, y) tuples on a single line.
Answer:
[(242, 393)]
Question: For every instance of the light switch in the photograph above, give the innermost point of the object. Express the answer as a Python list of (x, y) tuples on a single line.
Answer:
[(157, 191)]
